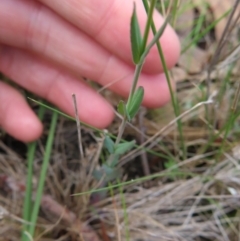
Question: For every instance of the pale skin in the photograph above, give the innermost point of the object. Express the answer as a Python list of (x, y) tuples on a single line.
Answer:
[(46, 46)]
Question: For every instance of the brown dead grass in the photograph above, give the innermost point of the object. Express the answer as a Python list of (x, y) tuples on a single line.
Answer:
[(202, 204)]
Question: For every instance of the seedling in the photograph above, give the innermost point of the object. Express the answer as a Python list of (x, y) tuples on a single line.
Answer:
[(108, 171)]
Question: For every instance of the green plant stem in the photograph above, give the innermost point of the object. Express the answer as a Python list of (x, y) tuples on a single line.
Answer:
[(137, 73), (173, 99), (142, 59), (136, 77), (174, 11), (119, 137), (148, 25), (142, 179), (204, 32), (232, 117), (43, 173), (28, 193), (121, 130), (63, 114), (125, 213)]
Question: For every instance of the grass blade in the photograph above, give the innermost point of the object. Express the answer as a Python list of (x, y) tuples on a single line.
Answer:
[(28, 194), (43, 173)]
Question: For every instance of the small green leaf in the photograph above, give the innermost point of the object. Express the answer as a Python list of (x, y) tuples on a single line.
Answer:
[(109, 144), (122, 110), (136, 102), (136, 38), (122, 148), (112, 161), (111, 173), (107, 173)]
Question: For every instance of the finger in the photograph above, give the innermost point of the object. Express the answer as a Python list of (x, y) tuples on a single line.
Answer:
[(109, 24), (56, 39), (55, 85), (16, 117), (39, 29), (38, 75)]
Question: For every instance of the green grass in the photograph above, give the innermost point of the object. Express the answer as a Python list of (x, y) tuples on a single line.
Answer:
[(173, 169), (27, 209), (31, 214)]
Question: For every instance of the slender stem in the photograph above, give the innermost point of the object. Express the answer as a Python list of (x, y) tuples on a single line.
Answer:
[(173, 99), (78, 127), (137, 73), (136, 77), (43, 173), (138, 68), (148, 25), (53, 109), (143, 57), (118, 139), (204, 32), (174, 11), (157, 35), (121, 130), (28, 193)]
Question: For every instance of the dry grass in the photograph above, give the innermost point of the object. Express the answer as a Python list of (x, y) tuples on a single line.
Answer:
[(200, 207), (194, 199)]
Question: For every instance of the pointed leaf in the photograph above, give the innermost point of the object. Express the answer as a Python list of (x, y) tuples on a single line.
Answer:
[(136, 102), (109, 144), (111, 173), (114, 161), (122, 148), (136, 38), (121, 108), (106, 173)]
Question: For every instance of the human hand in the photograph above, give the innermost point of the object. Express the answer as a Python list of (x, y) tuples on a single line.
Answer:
[(47, 46)]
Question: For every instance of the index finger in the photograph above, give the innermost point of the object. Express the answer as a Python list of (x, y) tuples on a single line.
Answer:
[(108, 22)]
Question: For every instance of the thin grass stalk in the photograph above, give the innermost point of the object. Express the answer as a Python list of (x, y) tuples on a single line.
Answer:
[(140, 180), (148, 25), (125, 213), (28, 194), (231, 119), (65, 115), (136, 76), (174, 12), (221, 92), (203, 33), (215, 58), (117, 221), (43, 173), (175, 105), (224, 35), (226, 128), (199, 24), (163, 8), (78, 127)]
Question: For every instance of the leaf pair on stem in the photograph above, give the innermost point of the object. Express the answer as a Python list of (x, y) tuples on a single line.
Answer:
[(109, 171)]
